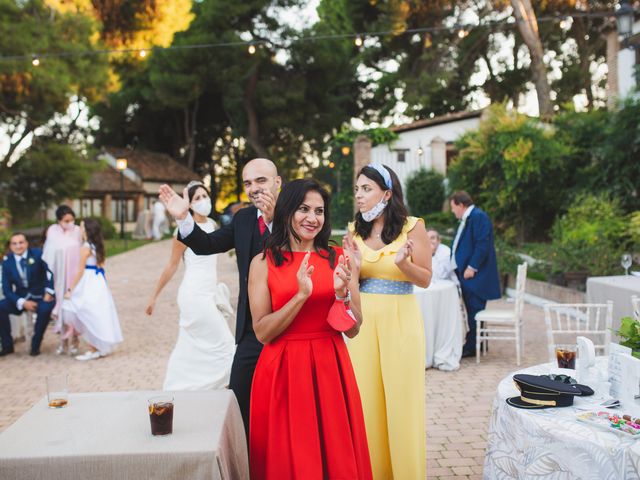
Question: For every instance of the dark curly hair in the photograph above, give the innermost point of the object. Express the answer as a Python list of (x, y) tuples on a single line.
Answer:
[(290, 198), (395, 215)]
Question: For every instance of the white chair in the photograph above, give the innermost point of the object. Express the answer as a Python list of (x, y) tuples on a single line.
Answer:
[(568, 320), (506, 323), (635, 301)]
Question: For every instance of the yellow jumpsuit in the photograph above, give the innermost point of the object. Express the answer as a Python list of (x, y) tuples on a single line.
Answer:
[(388, 357)]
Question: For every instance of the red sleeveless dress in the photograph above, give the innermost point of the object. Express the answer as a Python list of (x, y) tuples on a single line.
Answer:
[(306, 415)]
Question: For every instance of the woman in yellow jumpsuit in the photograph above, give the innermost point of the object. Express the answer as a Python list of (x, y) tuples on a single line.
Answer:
[(388, 354)]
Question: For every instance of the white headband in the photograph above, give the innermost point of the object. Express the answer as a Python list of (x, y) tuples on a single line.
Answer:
[(378, 167)]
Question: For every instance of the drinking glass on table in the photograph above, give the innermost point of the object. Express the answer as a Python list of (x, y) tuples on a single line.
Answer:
[(161, 414), (566, 355), (626, 262), (57, 390)]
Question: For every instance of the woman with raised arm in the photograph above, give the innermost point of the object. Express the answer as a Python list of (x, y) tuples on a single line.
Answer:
[(389, 354), (201, 359), (306, 416)]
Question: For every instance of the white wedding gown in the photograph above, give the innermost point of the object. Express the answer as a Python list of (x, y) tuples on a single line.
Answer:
[(201, 359)]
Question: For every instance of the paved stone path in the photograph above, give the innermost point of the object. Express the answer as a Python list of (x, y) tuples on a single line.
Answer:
[(458, 404)]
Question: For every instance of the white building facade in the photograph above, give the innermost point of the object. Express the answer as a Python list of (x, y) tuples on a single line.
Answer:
[(425, 144), (628, 59)]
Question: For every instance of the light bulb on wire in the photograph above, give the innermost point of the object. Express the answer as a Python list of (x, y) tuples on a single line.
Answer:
[(36, 61), (462, 33), (142, 53), (252, 49), (358, 41)]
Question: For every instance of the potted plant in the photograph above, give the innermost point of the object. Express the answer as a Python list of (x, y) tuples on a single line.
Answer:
[(630, 335)]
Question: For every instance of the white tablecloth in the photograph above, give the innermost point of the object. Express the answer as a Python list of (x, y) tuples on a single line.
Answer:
[(619, 289), (440, 307), (108, 435), (551, 444)]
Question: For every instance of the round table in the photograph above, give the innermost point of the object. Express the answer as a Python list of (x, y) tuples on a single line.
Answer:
[(440, 307), (551, 444)]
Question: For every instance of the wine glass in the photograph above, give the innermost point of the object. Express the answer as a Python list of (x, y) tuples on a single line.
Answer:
[(626, 262)]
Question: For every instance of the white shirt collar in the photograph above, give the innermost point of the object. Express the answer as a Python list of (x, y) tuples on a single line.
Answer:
[(467, 212)]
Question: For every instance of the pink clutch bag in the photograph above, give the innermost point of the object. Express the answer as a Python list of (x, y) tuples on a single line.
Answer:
[(340, 317)]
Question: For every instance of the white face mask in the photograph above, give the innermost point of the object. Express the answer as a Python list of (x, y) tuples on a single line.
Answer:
[(66, 226), (202, 207), (376, 211)]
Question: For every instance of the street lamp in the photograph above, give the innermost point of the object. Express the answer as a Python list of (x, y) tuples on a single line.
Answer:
[(121, 166), (624, 20)]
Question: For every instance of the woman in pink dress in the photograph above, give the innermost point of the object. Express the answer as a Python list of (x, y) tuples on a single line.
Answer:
[(61, 251)]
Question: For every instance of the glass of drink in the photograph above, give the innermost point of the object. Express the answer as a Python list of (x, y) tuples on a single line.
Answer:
[(57, 390), (161, 414), (626, 261), (566, 356)]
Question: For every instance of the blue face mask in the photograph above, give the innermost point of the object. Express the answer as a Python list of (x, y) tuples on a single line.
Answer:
[(376, 211)]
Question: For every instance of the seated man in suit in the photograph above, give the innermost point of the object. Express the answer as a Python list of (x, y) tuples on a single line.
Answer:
[(27, 285)]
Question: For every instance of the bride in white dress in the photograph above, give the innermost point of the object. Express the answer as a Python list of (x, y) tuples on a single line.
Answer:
[(201, 359)]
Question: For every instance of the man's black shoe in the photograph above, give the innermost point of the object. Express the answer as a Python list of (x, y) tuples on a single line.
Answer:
[(34, 353), (468, 353), (6, 352)]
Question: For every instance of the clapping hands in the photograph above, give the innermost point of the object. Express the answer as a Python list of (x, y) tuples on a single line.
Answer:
[(341, 276), (404, 253), (305, 285)]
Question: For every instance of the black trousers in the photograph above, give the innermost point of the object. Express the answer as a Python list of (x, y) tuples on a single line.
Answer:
[(474, 304), (244, 364), (42, 320)]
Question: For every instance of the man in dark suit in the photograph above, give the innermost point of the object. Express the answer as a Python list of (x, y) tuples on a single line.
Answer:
[(473, 257), (246, 233), (27, 285)]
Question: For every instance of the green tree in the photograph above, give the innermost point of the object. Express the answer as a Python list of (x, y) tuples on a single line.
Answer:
[(425, 192), (189, 103), (31, 96), (46, 174), (617, 169), (590, 237), (514, 167)]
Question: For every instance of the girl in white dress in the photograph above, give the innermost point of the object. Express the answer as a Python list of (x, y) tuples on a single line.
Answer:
[(201, 359), (88, 302)]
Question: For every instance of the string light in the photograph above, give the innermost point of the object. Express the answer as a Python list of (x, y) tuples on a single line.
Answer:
[(462, 31), (331, 164)]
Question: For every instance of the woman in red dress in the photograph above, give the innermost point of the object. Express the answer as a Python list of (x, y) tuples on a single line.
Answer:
[(306, 417)]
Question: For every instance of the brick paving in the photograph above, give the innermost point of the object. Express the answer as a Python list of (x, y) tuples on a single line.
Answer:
[(458, 404)]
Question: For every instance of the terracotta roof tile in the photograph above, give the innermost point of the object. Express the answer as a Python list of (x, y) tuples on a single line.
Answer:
[(107, 180), (153, 166)]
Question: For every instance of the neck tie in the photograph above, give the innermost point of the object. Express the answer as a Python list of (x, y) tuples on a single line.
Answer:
[(261, 225), (23, 273)]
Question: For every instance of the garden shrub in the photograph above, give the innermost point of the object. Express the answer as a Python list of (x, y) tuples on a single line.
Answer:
[(590, 237), (425, 192)]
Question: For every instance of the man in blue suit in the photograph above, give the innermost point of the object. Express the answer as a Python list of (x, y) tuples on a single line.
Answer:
[(27, 285), (473, 258)]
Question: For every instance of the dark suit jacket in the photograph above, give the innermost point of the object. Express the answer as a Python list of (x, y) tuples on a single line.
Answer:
[(39, 276), (242, 234), (475, 248)]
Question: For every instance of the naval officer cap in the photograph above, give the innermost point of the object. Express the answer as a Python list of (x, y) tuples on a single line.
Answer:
[(538, 392)]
